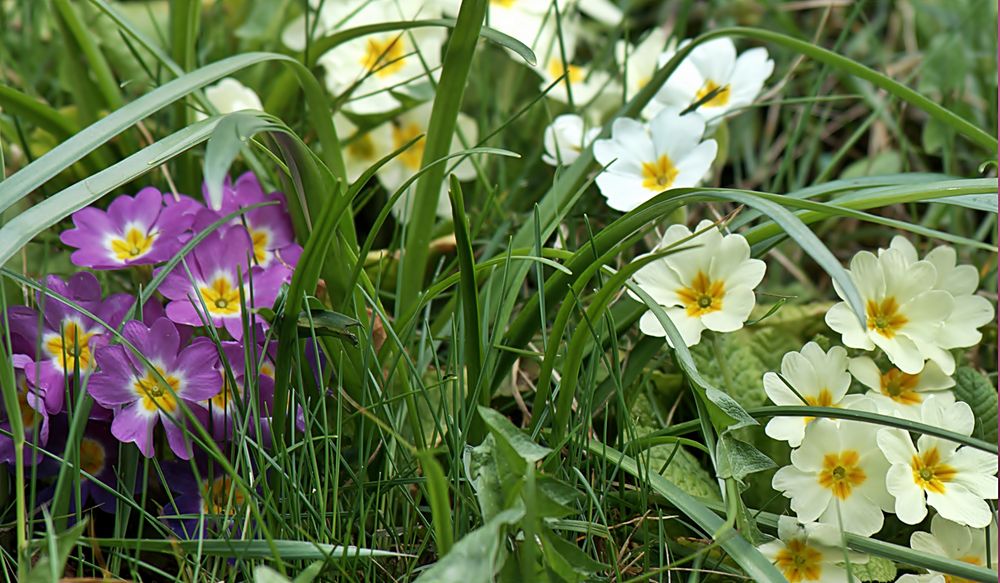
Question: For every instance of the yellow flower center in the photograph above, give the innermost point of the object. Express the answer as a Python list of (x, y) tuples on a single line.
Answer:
[(27, 413), (136, 243), (799, 562), (384, 57), (225, 397), (504, 3), (402, 134), (154, 396), (362, 147), (702, 296), (267, 370), (841, 473), (901, 387), (720, 95), (92, 457), (658, 175), (573, 73), (71, 348), (261, 238), (221, 296), (216, 496), (823, 399), (972, 560), (929, 473), (884, 317)]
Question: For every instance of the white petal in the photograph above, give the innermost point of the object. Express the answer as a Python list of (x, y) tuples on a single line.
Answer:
[(676, 135), (961, 328), (843, 320), (960, 505), (896, 445), (689, 328), (866, 272), (911, 507), (736, 307), (790, 429), (859, 515), (779, 392), (976, 471), (901, 351), (809, 499), (715, 59), (692, 168)]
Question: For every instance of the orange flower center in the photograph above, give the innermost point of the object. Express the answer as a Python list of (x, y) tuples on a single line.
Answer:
[(221, 494), (402, 134), (901, 387), (884, 317), (720, 95), (929, 473), (799, 562), (842, 473), (384, 57), (702, 296), (823, 399), (153, 395)]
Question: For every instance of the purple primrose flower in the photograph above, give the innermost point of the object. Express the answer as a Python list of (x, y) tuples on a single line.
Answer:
[(34, 417), (140, 399)]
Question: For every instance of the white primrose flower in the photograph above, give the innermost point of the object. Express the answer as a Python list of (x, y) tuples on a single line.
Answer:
[(640, 61), (898, 393), (327, 16), (820, 378), (407, 126), (955, 481), (903, 311), (954, 541), (566, 79), (229, 95), (565, 138), (377, 65), (707, 286), (971, 311), (838, 469), (809, 552), (362, 150), (644, 160), (712, 73)]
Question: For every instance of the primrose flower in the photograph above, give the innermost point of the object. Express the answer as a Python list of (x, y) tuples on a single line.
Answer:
[(137, 230), (898, 393), (98, 455), (219, 269), (362, 148), (971, 311), (224, 405), (809, 552), (956, 542), (707, 285), (642, 161), (67, 339), (212, 496), (565, 138), (375, 66), (640, 61), (713, 77), (903, 311), (955, 481), (269, 227), (413, 124), (838, 466), (581, 83), (137, 392), (821, 378), (34, 417), (229, 95)]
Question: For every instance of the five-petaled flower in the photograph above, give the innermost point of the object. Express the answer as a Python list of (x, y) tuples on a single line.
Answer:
[(837, 476), (135, 230), (898, 393), (809, 552), (145, 390), (953, 541), (809, 377), (955, 481), (707, 284), (642, 161)]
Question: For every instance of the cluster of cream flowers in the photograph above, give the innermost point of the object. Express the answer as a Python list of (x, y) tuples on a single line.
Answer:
[(847, 474)]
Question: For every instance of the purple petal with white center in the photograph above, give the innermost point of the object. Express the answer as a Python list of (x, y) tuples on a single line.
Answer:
[(112, 386), (197, 363), (133, 424)]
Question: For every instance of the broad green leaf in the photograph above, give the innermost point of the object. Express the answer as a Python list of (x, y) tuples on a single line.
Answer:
[(320, 322), (478, 556), (738, 459), (55, 552), (980, 394), (503, 430)]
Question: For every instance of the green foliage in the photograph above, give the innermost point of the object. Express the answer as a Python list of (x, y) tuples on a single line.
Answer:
[(736, 368), (876, 569), (981, 395)]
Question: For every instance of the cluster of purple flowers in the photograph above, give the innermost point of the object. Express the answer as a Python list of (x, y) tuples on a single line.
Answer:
[(176, 362)]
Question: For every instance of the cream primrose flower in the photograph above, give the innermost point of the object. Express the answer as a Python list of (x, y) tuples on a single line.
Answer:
[(563, 79), (640, 61), (903, 311), (820, 378), (898, 393), (713, 69), (809, 552), (971, 311), (229, 95), (362, 150), (954, 541), (642, 161), (565, 138), (955, 481), (838, 467), (327, 16), (393, 174), (376, 65), (707, 286)]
